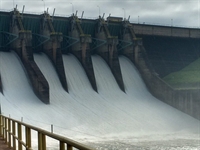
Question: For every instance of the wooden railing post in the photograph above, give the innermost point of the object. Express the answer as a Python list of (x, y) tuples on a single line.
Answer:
[(62, 145), (14, 134), (9, 133), (28, 138), (6, 129), (69, 147), (41, 141), (19, 136), (1, 125)]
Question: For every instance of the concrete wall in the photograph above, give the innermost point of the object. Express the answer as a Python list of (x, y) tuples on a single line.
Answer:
[(142, 29), (188, 101), (170, 54)]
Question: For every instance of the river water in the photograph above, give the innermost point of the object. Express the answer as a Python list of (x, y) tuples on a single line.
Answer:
[(109, 119)]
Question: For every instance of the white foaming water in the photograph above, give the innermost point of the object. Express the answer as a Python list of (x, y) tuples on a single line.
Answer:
[(109, 115)]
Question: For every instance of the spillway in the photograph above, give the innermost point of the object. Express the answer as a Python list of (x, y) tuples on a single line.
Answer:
[(84, 114)]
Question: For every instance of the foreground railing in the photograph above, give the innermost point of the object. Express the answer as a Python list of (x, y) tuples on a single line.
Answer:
[(11, 131)]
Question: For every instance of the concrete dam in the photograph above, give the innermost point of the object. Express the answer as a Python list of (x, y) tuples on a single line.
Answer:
[(58, 55)]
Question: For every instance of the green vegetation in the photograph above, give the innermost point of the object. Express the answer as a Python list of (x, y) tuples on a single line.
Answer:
[(188, 77)]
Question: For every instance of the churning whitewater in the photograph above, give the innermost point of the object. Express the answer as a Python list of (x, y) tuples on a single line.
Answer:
[(108, 119)]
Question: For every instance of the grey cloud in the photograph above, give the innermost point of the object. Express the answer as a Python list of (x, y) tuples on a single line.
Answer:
[(183, 12)]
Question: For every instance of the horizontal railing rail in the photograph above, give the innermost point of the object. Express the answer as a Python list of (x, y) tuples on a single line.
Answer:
[(11, 131)]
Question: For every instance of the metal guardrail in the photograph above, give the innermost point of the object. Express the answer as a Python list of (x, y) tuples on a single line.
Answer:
[(11, 131)]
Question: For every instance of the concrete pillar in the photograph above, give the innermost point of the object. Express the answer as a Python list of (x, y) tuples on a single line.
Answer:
[(109, 53), (52, 48), (23, 47), (129, 51), (82, 51), (26, 45), (129, 36), (53, 51), (40, 84)]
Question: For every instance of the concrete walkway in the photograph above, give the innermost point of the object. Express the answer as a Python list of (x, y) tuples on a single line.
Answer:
[(3, 145)]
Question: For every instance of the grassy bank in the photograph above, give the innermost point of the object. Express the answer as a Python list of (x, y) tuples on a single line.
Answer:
[(188, 77)]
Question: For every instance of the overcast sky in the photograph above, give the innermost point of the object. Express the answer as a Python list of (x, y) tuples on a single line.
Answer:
[(166, 12)]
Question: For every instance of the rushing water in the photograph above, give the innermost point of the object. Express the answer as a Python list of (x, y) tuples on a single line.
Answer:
[(109, 119)]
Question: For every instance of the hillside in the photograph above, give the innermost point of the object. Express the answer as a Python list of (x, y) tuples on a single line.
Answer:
[(188, 77)]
